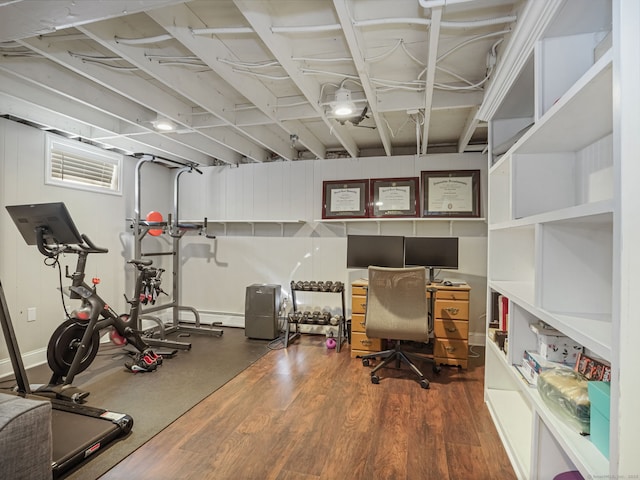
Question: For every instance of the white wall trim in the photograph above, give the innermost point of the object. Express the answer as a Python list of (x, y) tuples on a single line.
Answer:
[(30, 360)]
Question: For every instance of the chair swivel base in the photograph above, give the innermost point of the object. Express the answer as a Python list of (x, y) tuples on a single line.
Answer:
[(397, 355)]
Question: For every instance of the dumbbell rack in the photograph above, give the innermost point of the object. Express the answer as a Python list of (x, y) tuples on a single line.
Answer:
[(296, 317)]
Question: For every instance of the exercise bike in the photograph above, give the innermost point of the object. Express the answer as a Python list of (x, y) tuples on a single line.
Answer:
[(75, 342)]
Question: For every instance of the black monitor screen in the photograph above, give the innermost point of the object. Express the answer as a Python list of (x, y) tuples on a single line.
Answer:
[(378, 250), (54, 218), (434, 252)]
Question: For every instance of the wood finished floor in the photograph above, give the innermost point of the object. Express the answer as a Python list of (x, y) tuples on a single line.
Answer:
[(309, 413)]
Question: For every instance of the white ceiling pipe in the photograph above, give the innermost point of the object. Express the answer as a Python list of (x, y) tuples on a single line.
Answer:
[(307, 28), (221, 30), (426, 21), (140, 41), (439, 3)]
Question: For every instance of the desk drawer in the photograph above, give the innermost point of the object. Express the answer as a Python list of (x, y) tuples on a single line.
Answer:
[(457, 329), (452, 309), (357, 322), (359, 290), (452, 349), (359, 341), (358, 304), (452, 295)]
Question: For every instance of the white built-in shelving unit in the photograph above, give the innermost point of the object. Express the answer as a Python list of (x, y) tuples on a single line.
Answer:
[(415, 222), (562, 235), (345, 222)]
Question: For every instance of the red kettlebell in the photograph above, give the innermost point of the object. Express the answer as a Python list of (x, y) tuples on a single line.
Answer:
[(331, 343)]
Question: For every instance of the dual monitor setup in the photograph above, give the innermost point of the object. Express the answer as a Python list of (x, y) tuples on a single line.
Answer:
[(398, 251)]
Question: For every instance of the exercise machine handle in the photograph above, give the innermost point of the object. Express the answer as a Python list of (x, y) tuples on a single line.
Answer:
[(92, 247)]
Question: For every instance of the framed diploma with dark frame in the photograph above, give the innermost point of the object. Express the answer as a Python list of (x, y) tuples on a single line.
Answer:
[(345, 199), (451, 193), (395, 197)]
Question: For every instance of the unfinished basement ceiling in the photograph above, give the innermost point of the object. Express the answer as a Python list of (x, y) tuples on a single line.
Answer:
[(254, 80)]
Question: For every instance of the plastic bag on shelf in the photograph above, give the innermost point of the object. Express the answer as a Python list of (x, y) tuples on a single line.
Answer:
[(565, 392)]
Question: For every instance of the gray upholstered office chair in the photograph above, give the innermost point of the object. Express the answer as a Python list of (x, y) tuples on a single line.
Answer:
[(397, 309)]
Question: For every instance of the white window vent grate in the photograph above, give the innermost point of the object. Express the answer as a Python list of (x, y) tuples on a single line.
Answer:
[(76, 165)]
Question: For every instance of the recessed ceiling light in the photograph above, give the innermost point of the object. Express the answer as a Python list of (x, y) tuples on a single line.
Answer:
[(164, 124)]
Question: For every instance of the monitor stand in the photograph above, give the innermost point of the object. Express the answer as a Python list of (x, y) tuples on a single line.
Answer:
[(432, 277)]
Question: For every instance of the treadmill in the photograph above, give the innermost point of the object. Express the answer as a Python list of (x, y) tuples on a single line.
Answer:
[(78, 431)]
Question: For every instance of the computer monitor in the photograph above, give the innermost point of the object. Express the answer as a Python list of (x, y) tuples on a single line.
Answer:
[(431, 252), (50, 220), (378, 250)]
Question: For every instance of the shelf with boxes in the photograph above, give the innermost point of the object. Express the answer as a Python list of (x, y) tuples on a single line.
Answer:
[(555, 410), (557, 212), (323, 320)]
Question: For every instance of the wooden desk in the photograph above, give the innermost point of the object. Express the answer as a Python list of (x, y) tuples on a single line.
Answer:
[(450, 329)]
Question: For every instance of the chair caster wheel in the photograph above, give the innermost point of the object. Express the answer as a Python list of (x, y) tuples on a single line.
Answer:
[(436, 369), (375, 379), (424, 384), (365, 362)]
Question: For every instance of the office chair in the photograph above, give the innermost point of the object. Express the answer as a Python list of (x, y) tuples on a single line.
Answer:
[(397, 309)]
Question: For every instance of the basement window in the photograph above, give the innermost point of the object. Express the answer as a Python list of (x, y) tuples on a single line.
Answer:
[(73, 164)]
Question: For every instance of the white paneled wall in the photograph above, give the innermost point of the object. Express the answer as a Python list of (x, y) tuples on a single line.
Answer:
[(27, 281), (266, 249)]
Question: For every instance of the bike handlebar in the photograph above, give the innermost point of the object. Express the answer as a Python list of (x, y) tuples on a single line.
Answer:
[(92, 247), (86, 247)]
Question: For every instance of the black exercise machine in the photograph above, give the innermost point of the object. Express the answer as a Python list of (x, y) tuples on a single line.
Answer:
[(75, 343), (176, 230)]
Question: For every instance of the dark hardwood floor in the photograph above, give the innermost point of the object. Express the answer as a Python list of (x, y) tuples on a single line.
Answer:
[(311, 413)]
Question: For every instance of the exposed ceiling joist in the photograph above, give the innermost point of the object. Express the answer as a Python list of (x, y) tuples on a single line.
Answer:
[(180, 22), (257, 14), (256, 80)]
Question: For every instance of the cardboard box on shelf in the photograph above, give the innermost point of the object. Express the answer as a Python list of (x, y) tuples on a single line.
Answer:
[(538, 362), (500, 339), (593, 368), (559, 349), (553, 345), (528, 373), (533, 364), (600, 399)]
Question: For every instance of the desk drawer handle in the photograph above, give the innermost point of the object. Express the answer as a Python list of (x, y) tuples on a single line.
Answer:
[(452, 310), (451, 329), (362, 324), (450, 349), (366, 342), (363, 305)]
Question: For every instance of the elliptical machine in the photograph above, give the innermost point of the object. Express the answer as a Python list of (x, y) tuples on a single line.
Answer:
[(75, 343)]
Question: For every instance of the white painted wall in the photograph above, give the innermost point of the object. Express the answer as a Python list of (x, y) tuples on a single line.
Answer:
[(27, 281), (215, 272)]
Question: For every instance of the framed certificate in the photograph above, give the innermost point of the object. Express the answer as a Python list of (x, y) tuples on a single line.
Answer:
[(345, 199), (451, 193), (395, 197)]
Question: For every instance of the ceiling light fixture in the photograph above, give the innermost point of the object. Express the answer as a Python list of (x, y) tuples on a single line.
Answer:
[(343, 106), (163, 124)]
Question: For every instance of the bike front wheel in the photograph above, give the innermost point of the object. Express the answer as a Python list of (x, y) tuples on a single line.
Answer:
[(64, 343)]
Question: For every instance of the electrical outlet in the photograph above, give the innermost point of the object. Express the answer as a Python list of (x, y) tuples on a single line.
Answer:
[(31, 314)]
